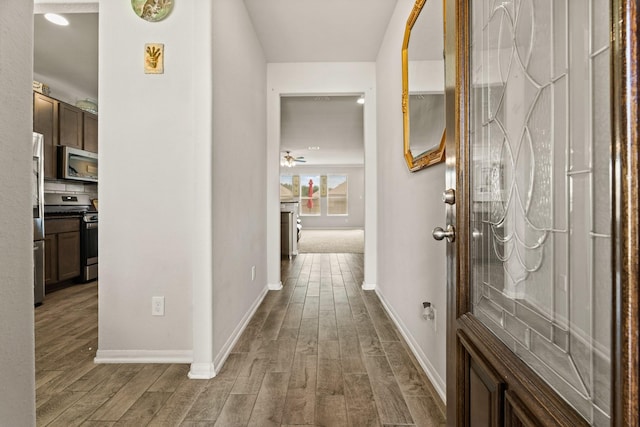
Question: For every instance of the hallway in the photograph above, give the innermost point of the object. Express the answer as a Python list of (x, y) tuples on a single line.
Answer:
[(319, 352)]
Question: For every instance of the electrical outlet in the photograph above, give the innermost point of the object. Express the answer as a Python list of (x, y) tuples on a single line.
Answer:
[(157, 306), (253, 273)]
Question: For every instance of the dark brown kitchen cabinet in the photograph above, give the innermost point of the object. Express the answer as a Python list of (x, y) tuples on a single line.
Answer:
[(62, 249), (45, 121), (62, 124), (50, 259), (70, 122), (90, 128)]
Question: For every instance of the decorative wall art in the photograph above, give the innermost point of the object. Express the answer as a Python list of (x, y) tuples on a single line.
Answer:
[(154, 58), (152, 10), (323, 186)]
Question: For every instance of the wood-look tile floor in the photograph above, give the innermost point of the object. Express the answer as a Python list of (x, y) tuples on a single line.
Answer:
[(319, 352)]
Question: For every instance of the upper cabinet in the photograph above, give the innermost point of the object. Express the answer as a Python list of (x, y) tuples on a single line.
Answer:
[(90, 132), (62, 124), (45, 121), (71, 126)]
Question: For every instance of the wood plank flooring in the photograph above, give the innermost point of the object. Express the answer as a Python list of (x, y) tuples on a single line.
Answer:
[(319, 352)]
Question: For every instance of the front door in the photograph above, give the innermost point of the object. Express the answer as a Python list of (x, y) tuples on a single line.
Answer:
[(542, 213)]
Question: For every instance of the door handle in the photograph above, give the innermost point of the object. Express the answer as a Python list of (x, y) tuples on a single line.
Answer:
[(439, 234)]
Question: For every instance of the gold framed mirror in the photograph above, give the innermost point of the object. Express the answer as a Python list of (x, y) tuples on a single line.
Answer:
[(423, 110)]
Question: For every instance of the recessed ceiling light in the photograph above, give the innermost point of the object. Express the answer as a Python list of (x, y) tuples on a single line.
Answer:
[(56, 19), (360, 100)]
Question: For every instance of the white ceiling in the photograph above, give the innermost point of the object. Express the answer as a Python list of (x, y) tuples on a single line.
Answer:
[(320, 30), (68, 54), (289, 31), (335, 124)]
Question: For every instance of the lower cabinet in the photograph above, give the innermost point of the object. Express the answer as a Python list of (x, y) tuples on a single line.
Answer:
[(62, 250)]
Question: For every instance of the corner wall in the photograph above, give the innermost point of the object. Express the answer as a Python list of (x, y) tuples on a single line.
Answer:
[(17, 370), (178, 217), (239, 172), (411, 266), (149, 209)]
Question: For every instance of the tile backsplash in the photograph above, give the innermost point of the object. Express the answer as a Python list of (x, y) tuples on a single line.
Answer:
[(52, 186)]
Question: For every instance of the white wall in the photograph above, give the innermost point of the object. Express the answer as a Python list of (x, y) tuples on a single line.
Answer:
[(17, 372), (239, 171), (355, 192), (169, 150), (327, 79), (149, 216), (411, 266)]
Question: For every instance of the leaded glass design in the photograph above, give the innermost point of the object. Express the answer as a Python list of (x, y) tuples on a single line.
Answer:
[(541, 189)]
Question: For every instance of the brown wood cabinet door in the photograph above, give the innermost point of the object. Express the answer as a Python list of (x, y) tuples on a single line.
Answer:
[(50, 259), (68, 255), (542, 213), (90, 132), (70, 123), (45, 121)]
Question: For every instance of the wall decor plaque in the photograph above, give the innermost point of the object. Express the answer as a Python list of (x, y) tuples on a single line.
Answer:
[(154, 58), (152, 10)]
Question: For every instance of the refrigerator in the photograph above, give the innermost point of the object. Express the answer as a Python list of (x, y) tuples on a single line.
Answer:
[(37, 196)]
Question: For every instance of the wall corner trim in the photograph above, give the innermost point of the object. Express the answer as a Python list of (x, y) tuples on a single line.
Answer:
[(368, 286), (143, 356), (201, 371), (275, 286), (233, 338)]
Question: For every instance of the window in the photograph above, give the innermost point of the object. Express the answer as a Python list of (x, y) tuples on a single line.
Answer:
[(309, 195), (288, 191), (337, 195)]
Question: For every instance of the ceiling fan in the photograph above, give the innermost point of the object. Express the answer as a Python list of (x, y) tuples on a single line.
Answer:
[(290, 161)]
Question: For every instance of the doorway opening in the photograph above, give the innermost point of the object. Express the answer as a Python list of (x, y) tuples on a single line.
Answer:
[(322, 173)]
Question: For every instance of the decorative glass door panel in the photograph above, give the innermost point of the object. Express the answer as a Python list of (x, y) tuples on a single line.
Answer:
[(540, 155)]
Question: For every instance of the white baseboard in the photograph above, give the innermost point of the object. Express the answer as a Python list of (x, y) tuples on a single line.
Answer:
[(368, 286), (143, 356), (205, 370), (219, 360), (438, 383), (201, 371), (275, 286)]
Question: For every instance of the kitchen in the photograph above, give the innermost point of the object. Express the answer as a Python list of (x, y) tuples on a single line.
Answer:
[(65, 125)]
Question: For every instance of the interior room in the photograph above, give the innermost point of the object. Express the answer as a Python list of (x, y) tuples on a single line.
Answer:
[(483, 156), (322, 141), (195, 339)]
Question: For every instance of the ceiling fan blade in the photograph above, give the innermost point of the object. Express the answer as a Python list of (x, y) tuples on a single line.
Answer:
[(301, 160)]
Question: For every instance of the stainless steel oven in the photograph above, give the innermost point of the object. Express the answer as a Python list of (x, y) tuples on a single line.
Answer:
[(79, 205)]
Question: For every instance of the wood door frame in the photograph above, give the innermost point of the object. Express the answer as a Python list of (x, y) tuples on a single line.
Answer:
[(463, 330), (625, 131)]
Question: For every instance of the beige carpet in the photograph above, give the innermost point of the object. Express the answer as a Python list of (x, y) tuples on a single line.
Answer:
[(331, 241)]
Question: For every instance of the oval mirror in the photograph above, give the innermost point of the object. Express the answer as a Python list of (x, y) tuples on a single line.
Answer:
[(423, 85)]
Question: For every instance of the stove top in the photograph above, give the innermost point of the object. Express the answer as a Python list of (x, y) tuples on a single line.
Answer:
[(60, 203)]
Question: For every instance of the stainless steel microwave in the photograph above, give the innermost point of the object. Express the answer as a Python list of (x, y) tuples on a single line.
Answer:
[(78, 165)]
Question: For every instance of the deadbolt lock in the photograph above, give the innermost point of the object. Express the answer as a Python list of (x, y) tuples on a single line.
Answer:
[(449, 196)]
